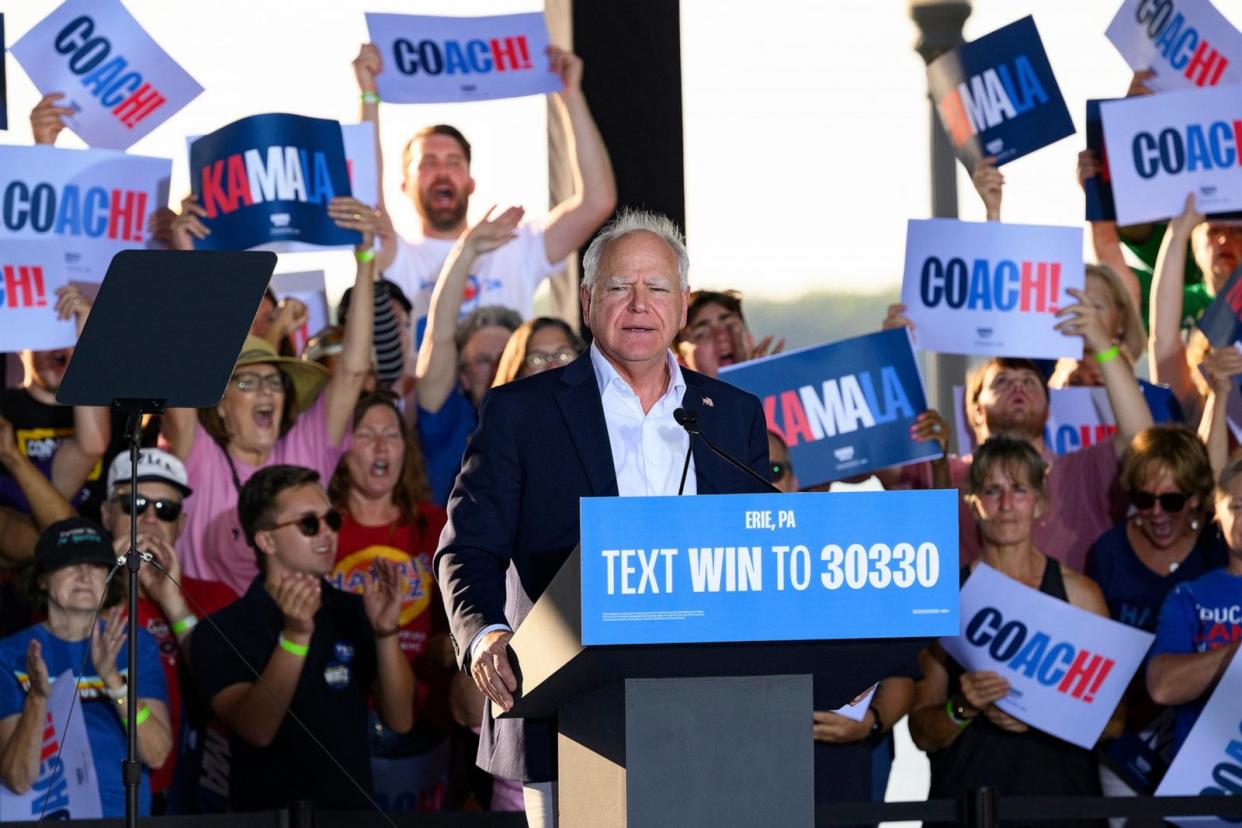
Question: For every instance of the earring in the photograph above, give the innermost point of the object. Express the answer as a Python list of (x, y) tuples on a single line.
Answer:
[(1194, 524)]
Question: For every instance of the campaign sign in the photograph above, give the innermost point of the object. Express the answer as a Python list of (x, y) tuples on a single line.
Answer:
[(66, 787), (1210, 760), (449, 59), (30, 273), (91, 204), (306, 287), (997, 95), (1098, 189), (844, 408), (769, 567), (4, 94), (359, 142), (991, 289), (1162, 147), (1067, 668), (1185, 42), (1077, 417), (269, 178), (117, 78), (1221, 323)]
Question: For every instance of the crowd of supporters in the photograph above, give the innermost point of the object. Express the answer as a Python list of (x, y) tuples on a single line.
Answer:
[(302, 514)]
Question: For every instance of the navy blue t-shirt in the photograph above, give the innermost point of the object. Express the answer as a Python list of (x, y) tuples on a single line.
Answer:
[(103, 726)]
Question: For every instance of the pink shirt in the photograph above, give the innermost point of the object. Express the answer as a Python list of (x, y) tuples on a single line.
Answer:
[(212, 546), (1084, 502)]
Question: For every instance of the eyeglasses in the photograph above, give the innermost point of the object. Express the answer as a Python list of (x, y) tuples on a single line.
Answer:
[(166, 510), (249, 382), (779, 471), (1171, 502), (308, 525), (555, 359)]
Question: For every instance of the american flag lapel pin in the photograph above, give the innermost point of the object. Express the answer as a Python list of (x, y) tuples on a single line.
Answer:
[(707, 401)]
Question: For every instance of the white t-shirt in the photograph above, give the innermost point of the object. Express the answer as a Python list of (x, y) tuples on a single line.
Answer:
[(508, 275)]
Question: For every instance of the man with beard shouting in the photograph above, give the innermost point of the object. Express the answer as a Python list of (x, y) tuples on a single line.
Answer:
[(1008, 397), (436, 176)]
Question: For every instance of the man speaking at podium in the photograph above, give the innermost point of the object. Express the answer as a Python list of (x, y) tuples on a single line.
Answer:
[(601, 426)]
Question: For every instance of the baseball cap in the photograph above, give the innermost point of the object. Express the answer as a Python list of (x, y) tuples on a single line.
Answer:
[(154, 465), (73, 541)]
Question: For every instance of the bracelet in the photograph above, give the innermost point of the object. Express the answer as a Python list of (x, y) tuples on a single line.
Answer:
[(1109, 355), (379, 634), (117, 694), (144, 713), (370, 97), (368, 255), (952, 710), (185, 624), (290, 647)]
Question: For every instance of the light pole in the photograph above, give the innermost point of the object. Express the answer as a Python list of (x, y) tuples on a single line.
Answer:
[(940, 30)]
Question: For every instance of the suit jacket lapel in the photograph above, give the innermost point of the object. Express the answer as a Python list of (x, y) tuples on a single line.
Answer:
[(579, 401), (705, 462)]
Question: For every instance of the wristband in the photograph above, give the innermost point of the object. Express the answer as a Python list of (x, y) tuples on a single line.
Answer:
[(379, 634), (370, 97), (144, 713), (1109, 355), (185, 624), (117, 694), (368, 255), (290, 647), (954, 716)]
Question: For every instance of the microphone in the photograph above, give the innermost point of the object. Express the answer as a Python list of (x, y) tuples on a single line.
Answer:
[(690, 422)]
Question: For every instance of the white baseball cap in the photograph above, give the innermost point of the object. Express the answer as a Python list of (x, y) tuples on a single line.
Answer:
[(154, 465)]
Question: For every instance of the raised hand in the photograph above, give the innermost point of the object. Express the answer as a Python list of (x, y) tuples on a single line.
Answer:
[(569, 66), (36, 669), (490, 233), (71, 303), (187, 225), (1084, 320), (47, 119), (1138, 83), (106, 641), (1088, 166), (990, 184), (298, 597), (349, 213), (1221, 366), (158, 586), (896, 318), (367, 65), (1190, 217), (929, 425), (983, 687), (381, 598)]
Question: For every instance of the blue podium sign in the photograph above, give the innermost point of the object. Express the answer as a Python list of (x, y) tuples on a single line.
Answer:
[(767, 567)]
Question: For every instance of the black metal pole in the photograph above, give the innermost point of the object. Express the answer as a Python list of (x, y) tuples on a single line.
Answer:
[(131, 771)]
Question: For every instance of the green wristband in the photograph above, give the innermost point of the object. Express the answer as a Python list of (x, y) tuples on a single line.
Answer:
[(1109, 355), (951, 710), (370, 97), (290, 647), (184, 625), (144, 713), (364, 255)]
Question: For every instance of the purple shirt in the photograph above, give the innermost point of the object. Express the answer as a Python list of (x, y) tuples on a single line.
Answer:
[(212, 546)]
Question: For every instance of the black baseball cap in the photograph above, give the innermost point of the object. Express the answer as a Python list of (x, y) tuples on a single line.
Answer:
[(73, 541)]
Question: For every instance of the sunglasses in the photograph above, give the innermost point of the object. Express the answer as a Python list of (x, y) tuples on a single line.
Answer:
[(308, 525), (780, 470), (1171, 502), (165, 510)]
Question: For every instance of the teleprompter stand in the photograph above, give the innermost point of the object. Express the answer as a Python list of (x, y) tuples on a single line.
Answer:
[(165, 331)]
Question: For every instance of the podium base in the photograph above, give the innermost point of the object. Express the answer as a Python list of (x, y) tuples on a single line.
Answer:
[(688, 752)]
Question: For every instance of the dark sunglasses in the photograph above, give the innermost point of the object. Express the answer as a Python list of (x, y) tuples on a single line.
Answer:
[(780, 470), (165, 510), (1171, 502), (308, 525)]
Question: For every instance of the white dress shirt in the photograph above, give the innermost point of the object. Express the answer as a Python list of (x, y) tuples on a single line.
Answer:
[(648, 449)]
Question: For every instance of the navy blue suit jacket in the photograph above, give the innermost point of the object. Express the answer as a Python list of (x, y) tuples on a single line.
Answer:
[(542, 444)]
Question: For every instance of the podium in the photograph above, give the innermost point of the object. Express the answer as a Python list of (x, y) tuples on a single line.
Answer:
[(671, 712)]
